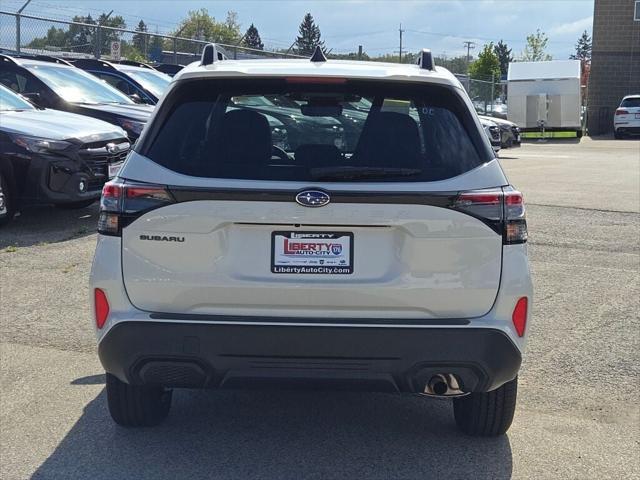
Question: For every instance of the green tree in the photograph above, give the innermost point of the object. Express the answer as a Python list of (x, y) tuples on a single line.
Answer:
[(81, 37), (454, 65), (308, 36), (139, 40), (503, 52), (407, 57), (583, 48), (55, 37), (200, 25), (486, 71), (535, 50), (252, 38)]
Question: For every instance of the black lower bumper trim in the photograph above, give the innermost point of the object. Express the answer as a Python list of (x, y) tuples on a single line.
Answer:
[(342, 357)]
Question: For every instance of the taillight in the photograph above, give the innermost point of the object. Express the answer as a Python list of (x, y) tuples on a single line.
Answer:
[(519, 316), (101, 307), (123, 202), (621, 111), (502, 209)]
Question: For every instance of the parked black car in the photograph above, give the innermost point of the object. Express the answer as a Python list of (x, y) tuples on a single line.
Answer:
[(53, 157), (54, 83), (138, 81)]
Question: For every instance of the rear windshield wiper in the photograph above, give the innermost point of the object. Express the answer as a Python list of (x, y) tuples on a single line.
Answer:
[(353, 173)]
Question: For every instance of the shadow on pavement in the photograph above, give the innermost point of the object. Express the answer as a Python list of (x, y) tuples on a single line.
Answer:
[(553, 141), (280, 435), (90, 380), (38, 225)]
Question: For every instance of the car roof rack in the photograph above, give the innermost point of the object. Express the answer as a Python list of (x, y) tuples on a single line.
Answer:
[(425, 60), (133, 63), (92, 62), (318, 55), (39, 57), (7, 58), (211, 53)]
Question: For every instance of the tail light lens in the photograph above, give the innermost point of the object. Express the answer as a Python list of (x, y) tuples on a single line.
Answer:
[(621, 111), (519, 317), (502, 209), (123, 202), (102, 307)]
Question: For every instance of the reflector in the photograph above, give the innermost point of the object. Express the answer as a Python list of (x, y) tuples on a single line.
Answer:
[(101, 306), (519, 317)]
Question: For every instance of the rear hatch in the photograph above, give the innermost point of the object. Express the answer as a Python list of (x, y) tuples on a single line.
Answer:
[(628, 113), (220, 223)]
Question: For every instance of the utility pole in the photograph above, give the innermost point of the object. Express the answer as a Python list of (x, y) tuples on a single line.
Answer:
[(469, 44), (400, 51), (18, 25), (98, 46)]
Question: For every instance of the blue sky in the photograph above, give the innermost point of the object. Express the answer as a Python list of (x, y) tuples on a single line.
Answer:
[(441, 25)]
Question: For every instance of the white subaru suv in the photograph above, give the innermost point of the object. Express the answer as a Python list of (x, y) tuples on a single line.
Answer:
[(313, 223)]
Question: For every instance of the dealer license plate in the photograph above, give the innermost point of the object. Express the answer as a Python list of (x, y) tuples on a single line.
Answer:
[(312, 252)]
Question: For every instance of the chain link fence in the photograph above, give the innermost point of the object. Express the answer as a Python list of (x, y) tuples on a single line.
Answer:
[(489, 95), (29, 34)]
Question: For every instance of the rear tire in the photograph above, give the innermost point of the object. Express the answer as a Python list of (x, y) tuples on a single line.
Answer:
[(8, 193), (616, 135), (487, 414), (137, 406), (75, 205), (579, 133)]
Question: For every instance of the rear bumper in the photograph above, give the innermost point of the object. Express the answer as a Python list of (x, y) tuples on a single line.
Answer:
[(192, 354)]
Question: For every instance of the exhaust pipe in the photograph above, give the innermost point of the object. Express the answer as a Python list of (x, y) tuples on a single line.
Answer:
[(443, 385)]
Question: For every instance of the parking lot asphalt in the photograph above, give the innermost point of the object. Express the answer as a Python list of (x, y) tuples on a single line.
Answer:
[(578, 414)]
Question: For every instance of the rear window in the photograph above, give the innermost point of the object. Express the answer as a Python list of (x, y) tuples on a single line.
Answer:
[(299, 130), (631, 102)]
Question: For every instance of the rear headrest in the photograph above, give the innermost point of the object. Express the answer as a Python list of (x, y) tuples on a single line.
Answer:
[(246, 138)]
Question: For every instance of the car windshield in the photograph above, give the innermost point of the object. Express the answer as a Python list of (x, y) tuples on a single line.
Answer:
[(299, 131), (76, 86), (155, 82), (11, 101), (632, 102)]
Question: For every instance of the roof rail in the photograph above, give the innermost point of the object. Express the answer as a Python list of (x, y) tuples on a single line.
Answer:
[(425, 60), (318, 55), (211, 53), (133, 63), (7, 58), (88, 62), (41, 58)]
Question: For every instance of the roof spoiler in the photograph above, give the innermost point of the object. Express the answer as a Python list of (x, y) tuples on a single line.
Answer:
[(425, 60), (211, 53)]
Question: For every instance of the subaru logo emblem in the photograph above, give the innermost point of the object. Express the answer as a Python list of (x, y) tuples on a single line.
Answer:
[(313, 198)]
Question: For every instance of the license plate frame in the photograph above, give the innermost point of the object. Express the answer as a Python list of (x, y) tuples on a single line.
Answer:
[(312, 252), (113, 169)]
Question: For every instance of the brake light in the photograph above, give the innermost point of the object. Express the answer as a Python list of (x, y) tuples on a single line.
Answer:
[(316, 80), (101, 307), (501, 209), (622, 111), (123, 202), (519, 317)]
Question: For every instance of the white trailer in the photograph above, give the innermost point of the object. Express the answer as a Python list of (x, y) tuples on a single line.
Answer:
[(547, 92)]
